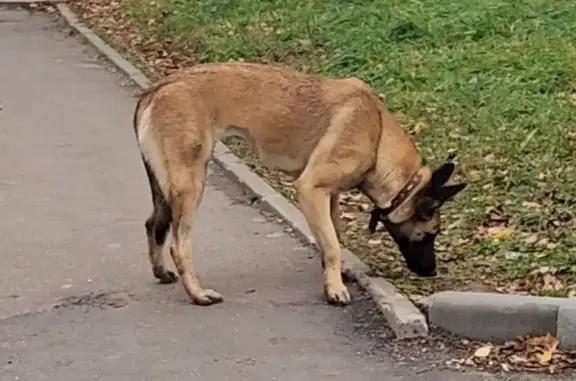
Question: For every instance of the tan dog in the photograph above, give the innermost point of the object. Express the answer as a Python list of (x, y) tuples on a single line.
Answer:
[(332, 135)]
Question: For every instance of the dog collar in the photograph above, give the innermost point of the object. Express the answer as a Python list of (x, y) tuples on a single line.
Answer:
[(377, 213)]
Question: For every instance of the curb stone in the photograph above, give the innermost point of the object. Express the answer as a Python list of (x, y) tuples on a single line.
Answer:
[(566, 326), (404, 318), (501, 317)]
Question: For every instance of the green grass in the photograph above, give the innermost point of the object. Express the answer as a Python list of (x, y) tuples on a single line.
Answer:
[(492, 80)]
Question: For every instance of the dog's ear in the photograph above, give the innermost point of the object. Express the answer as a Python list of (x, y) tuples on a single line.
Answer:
[(441, 175), (437, 190), (431, 201), (448, 191)]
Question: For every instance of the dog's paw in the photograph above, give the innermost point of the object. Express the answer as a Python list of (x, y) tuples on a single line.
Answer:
[(208, 297), (165, 276), (337, 294)]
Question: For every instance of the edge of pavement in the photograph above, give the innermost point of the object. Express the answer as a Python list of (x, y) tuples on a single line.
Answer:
[(405, 319)]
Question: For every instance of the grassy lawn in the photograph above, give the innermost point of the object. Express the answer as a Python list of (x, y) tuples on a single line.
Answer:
[(492, 80)]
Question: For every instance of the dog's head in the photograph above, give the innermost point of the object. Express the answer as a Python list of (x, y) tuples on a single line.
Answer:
[(416, 231)]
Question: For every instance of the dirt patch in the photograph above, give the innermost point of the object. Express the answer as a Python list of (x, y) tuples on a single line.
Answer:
[(107, 300)]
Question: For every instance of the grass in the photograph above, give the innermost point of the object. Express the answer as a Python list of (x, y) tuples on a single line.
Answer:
[(493, 81)]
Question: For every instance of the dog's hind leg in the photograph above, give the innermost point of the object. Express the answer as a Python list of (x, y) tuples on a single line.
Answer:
[(188, 173), (157, 226), (176, 143)]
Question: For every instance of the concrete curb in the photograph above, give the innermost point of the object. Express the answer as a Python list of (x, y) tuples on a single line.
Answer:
[(404, 318), (500, 317)]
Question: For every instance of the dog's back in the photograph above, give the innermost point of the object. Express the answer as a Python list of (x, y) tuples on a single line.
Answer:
[(283, 113)]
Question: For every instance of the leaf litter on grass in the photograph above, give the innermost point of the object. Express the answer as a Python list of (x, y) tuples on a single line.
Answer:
[(538, 354), (493, 82)]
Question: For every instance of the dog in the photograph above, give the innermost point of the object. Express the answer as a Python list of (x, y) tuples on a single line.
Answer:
[(331, 134)]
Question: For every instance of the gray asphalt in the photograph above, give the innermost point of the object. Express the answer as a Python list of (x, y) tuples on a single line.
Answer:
[(77, 298)]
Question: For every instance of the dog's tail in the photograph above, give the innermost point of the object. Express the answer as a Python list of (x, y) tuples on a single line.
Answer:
[(148, 140), (145, 98)]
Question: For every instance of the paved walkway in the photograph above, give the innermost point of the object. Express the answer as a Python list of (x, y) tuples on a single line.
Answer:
[(73, 199)]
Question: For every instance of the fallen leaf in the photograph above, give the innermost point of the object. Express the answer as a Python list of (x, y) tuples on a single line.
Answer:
[(530, 204), (415, 298), (501, 233), (544, 357), (483, 352), (469, 361), (542, 270), (547, 342), (348, 216), (419, 127), (552, 283), (531, 239)]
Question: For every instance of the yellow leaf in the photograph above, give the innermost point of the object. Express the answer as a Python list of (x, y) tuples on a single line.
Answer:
[(419, 127), (544, 357), (483, 351), (502, 234)]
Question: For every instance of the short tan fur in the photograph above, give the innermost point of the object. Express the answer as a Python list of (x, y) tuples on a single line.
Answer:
[(332, 135)]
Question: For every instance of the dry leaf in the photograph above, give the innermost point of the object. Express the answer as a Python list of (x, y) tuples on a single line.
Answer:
[(544, 343), (415, 298), (501, 233), (419, 127), (531, 239), (552, 283), (348, 216), (544, 357), (543, 270), (483, 352), (530, 204)]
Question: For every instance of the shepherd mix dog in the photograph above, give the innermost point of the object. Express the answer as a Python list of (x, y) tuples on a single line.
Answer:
[(331, 135)]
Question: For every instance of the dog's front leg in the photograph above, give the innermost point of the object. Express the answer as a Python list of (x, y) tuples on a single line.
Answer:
[(315, 205), (335, 214)]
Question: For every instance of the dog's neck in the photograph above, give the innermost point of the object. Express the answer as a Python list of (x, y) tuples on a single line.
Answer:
[(396, 163), (378, 214), (387, 187)]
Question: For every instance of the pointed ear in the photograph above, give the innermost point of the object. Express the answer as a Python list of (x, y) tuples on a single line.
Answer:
[(448, 191), (441, 175)]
